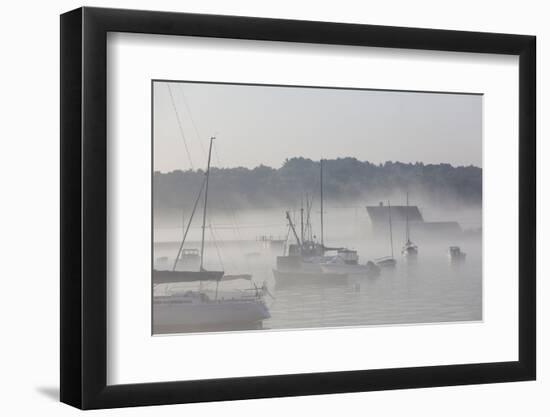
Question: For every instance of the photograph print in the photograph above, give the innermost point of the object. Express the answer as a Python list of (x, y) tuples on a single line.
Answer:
[(291, 207)]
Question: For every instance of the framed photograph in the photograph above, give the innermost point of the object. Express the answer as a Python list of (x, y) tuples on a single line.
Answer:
[(257, 208)]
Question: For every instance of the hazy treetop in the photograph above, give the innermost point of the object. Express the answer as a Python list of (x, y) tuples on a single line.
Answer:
[(345, 180)]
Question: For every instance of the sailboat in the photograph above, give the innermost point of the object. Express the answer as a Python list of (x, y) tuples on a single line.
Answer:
[(388, 261), (409, 250), (197, 310)]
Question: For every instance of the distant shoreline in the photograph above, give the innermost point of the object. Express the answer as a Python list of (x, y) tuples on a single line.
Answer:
[(345, 179)]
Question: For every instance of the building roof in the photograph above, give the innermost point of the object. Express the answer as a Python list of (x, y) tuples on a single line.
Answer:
[(379, 214)]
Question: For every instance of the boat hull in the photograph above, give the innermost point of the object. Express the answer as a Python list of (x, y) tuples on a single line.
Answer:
[(209, 316), (387, 263), (457, 258), (169, 277), (410, 253)]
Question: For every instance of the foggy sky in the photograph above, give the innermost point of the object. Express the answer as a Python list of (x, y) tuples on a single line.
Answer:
[(265, 125)]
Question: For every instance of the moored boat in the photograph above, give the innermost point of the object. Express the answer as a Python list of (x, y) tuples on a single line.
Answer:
[(455, 254), (370, 269), (409, 250), (304, 259), (198, 310), (388, 261)]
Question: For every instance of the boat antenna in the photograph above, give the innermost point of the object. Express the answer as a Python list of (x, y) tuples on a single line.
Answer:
[(391, 235), (205, 202), (321, 196)]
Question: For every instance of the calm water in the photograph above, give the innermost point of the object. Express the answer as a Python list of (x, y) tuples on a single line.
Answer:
[(427, 291)]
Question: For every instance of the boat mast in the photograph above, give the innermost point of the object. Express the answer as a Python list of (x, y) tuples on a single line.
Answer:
[(322, 225), (407, 219), (302, 220), (391, 234), (308, 219), (205, 203)]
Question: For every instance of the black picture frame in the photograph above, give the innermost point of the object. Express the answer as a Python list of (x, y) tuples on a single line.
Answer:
[(84, 207)]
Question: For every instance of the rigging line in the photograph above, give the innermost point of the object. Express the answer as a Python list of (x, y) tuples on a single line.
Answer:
[(233, 219), (212, 224), (215, 243), (239, 236), (192, 119), (180, 125), (286, 240)]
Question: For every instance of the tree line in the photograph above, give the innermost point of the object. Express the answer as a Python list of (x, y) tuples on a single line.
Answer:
[(345, 180)]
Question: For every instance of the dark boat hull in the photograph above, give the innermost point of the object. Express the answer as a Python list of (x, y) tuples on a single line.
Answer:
[(169, 277)]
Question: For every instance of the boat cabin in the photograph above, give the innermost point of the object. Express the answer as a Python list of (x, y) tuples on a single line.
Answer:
[(349, 256)]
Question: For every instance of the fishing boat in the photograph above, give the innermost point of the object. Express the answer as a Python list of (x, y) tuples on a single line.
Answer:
[(388, 261), (455, 254), (409, 250), (199, 310), (304, 259), (303, 263)]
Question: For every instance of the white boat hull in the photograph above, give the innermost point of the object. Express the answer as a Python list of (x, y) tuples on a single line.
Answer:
[(208, 316), (387, 263)]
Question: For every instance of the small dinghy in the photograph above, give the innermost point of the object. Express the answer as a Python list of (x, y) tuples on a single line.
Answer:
[(455, 254)]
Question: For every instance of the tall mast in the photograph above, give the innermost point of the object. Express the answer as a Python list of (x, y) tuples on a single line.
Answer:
[(322, 225), (407, 218), (302, 219), (205, 202), (308, 219), (391, 235)]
